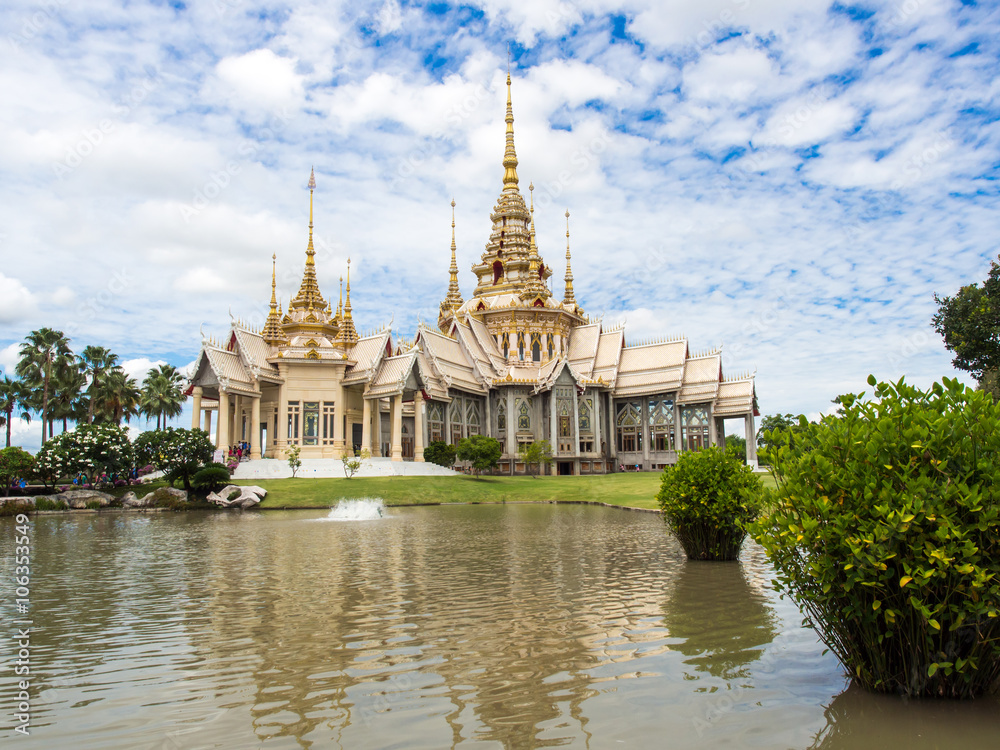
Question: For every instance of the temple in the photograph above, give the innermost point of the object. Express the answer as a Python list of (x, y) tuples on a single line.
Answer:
[(513, 362)]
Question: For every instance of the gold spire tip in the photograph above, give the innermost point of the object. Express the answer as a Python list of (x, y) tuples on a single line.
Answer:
[(312, 178)]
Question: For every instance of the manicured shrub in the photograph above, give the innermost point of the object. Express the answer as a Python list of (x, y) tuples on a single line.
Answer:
[(885, 529), (707, 499), (482, 452), (210, 477), (440, 453)]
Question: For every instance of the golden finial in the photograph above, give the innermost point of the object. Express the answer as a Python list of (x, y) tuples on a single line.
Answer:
[(454, 297), (340, 305), (510, 156), (347, 305), (310, 252), (569, 297)]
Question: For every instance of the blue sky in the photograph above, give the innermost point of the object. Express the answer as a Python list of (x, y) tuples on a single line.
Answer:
[(791, 181)]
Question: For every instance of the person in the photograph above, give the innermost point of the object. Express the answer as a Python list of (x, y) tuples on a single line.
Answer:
[(621, 467)]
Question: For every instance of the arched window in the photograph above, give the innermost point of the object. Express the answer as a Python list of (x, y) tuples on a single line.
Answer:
[(497, 271), (520, 346), (552, 346), (506, 346), (536, 351), (539, 303)]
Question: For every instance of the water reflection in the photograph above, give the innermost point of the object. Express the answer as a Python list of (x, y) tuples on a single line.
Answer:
[(724, 622)]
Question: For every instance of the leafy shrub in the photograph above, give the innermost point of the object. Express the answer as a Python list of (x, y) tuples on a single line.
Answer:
[(177, 452), (14, 507), (482, 452), (440, 453), (210, 477), (886, 531), (93, 505), (15, 464), (707, 499)]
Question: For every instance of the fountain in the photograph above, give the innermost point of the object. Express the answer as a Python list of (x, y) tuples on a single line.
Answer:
[(357, 509)]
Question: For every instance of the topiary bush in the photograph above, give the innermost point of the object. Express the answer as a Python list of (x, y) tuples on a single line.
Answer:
[(885, 530), (440, 453), (707, 499), (211, 477)]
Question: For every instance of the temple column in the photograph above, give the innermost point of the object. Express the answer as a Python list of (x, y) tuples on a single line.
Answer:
[(340, 414), (751, 431), (576, 429), (255, 428), (195, 407), (281, 438), (418, 426), (678, 429), (366, 425), (222, 435), (396, 435), (611, 430), (713, 431), (377, 408), (645, 433)]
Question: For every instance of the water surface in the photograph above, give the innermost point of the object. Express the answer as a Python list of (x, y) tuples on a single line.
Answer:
[(517, 626)]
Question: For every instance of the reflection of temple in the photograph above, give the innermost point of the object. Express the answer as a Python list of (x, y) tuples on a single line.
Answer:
[(513, 362)]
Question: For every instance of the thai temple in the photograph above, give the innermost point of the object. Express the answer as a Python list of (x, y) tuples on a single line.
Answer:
[(513, 361)]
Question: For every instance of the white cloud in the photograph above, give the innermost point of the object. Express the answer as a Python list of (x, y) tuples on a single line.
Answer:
[(9, 357), (261, 79), (139, 367), (16, 302)]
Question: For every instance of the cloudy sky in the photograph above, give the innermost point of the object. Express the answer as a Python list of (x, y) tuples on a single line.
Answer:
[(792, 181)]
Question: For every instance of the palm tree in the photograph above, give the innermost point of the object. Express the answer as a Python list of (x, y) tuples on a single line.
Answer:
[(68, 382), (41, 353), (162, 395), (96, 361), (14, 397), (117, 397)]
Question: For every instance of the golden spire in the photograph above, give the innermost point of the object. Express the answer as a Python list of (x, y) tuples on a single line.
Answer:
[(340, 305), (569, 298), (509, 156), (272, 332), (348, 331), (309, 294), (454, 298)]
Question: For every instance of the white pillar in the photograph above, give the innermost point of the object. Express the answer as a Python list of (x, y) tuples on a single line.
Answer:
[(339, 417), (713, 429), (678, 430), (366, 424), (222, 435), (195, 407), (576, 429), (418, 426), (255, 428), (281, 438), (397, 428), (751, 441)]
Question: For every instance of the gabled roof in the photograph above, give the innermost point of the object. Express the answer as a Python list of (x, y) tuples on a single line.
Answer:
[(254, 351), (367, 353), (473, 348), (651, 368), (736, 397), (227, 367), (451, 361), (392, 374), (486, 343), (701, 378), (609, 350), (583, 341)]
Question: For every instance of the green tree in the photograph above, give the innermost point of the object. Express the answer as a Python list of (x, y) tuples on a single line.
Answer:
[(969, 321), (352, 461), (118, 397), (885, 530), (772, 422), (294, 462), (96, 361), (736, 447), (707, 499), (40, 354), (91, 450), (66, 401), (15, 464), (482, 452), (538, 453), (14, 403), (440, 453), (177, 452), (162, 395)]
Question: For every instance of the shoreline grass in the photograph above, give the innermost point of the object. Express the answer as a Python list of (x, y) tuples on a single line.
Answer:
[(630, 490)]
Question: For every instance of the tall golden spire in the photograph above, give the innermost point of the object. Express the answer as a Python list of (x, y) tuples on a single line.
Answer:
[(309, 297), (509, 155), (348, 331), (340, 305), (272, 332), (454, 298), (569, 298)]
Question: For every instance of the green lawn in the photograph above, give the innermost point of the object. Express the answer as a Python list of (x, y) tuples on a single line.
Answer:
[(637, 490)]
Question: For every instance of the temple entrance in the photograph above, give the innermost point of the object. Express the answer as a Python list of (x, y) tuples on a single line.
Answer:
[(565, 468), (356, 433), (262, 436)]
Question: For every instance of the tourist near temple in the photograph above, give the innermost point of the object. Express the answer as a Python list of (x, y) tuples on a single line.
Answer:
[(513, 361)]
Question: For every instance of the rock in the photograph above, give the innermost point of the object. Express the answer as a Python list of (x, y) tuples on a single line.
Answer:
[(79, 498), (237, 496), (129, 500), (17, 500), (162, 494)]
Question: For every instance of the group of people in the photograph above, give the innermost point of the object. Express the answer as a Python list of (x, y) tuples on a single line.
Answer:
[(239, 451), (622, 467)]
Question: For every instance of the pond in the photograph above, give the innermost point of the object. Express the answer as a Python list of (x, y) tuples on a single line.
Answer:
[(481, 626)]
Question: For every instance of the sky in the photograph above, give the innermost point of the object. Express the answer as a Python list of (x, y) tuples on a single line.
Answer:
[(790, 181)]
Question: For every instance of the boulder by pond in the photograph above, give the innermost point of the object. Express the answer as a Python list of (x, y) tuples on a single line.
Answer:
[(236, 496), (79, 498)]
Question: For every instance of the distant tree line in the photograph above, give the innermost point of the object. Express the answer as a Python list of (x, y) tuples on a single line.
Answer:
[(56, 385)]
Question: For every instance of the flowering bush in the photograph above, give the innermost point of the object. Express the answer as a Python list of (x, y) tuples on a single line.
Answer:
[(89, 450)]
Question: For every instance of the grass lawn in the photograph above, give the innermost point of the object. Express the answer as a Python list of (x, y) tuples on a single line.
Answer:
[(637, 490)]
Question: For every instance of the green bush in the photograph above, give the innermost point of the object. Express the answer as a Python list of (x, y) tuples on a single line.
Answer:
[(440, 453), (885, 529), (210, 478), (44, 503), (707, 498), (482, 453), (93, 505), (14, 507)]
